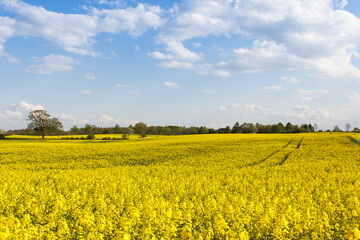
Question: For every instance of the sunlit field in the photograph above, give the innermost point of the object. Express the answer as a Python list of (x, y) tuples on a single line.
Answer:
[(221, 186)]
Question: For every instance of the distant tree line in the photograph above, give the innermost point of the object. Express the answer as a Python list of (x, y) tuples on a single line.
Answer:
[(41, 123), (143, 129)]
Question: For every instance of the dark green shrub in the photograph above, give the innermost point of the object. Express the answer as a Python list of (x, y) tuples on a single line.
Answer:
[(91, 136)]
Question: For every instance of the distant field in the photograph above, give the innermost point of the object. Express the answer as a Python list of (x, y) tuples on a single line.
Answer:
[(59, 137), (221, 186)]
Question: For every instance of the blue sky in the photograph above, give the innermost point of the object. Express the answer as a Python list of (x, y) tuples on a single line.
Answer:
[(190, 62)]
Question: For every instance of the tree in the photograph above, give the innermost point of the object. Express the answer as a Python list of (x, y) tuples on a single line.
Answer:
[(281, 127), (247, 128), (91, 136), (278, 128), (193, 130), (140, 128), (315, 127), (2, 133), (356, 130), (203, 130), (88, 128), (117, 129), (336, 129), (41, 121), (166, 130), (227, 129), (236, 128), (74, 129), (305, 128), (129, 131), (289, 128), (347, 127)]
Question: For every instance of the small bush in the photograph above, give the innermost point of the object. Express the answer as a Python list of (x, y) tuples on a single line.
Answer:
[(125, 136), (91, 136)]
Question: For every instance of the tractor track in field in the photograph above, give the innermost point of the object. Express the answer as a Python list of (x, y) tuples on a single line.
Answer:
[(270, 155), (354, 140), (299, 144), (296, 144), (284, 160), (287, 155)]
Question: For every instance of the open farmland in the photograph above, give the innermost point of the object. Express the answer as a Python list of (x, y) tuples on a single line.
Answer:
[(235, 186)]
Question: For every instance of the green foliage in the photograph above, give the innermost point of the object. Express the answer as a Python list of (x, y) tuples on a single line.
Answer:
[(74, 129), (203, 130), (117, 129), (91, 136), (140, 128), (278, 128), (42, 122), (289, 128), (88, 128), (106, 131)]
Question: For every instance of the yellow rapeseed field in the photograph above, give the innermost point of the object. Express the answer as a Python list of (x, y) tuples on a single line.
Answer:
[(223, 186)]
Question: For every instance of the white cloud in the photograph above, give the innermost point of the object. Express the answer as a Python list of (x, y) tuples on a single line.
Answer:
[(30, 107), (244, 109), (13, 114), (160, 55), (51, 64), (290, 80), (341, 3), (112, 3), (307, 113), (90, 76), (86, 92), (106, 120), (75, 32), (316, 36), (6, 32), (177, 64), (67, 117), (308, 95), (274, 88), (287, 35), (133, 20), (354, 97), (180, 52), (223, 108), (172, 85)]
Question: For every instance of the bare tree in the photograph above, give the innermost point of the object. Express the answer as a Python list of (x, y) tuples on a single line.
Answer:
[(41, 121), (315, 127), (347, 127), (2, 133)]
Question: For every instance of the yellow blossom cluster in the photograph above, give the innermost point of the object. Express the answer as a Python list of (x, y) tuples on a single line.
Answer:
[(220, 186)]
